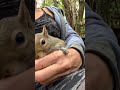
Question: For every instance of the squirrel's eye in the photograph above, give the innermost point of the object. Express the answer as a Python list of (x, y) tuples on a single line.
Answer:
[(20, 38), (43, 42)]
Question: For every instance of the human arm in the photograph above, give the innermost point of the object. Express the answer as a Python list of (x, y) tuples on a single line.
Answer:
[(60, 62), (75, 41), (56, 65), (67, 33), (22, 81), (101, 42)]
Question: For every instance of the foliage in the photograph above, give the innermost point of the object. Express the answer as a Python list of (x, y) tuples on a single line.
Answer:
[(74, 12), (51, 3)]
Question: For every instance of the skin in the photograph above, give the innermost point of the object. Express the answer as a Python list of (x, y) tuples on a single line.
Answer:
[(62, 64), (93, 73), (55, 64), (94, 79)]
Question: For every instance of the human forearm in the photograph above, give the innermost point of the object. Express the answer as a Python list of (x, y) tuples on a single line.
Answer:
[(101, 41), (23, 81), (98, 75), (74, 41)]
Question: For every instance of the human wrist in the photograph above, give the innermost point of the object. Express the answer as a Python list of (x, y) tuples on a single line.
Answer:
[(80, 50), (76, 57)]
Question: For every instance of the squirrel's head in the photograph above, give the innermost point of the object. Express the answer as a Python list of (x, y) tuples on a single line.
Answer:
[(45, 44), (42, 41), (17, 36)]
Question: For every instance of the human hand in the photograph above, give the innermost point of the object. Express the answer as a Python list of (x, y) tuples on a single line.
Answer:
[(56, 64), (22, 81)]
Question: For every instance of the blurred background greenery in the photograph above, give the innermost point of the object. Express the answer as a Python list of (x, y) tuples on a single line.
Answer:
[(74, 11)]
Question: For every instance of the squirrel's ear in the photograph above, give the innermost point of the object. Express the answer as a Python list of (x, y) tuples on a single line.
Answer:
[(24, 15), (45, 32)]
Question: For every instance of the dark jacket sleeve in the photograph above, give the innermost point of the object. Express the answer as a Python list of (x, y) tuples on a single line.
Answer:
[(101, 41)]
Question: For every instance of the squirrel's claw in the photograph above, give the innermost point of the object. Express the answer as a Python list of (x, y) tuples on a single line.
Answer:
[(64, 50)]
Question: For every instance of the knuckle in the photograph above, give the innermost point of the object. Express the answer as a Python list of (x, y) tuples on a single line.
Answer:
[(54, 54), (57, 54), (77, 63), (67, 66), (41, 81)]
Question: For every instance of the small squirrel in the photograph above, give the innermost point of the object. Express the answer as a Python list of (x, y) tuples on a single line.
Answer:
[(45, 44), (16, 43)]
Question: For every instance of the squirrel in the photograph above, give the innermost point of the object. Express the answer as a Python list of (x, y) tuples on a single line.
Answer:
[(16, 43), (46, 44)]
